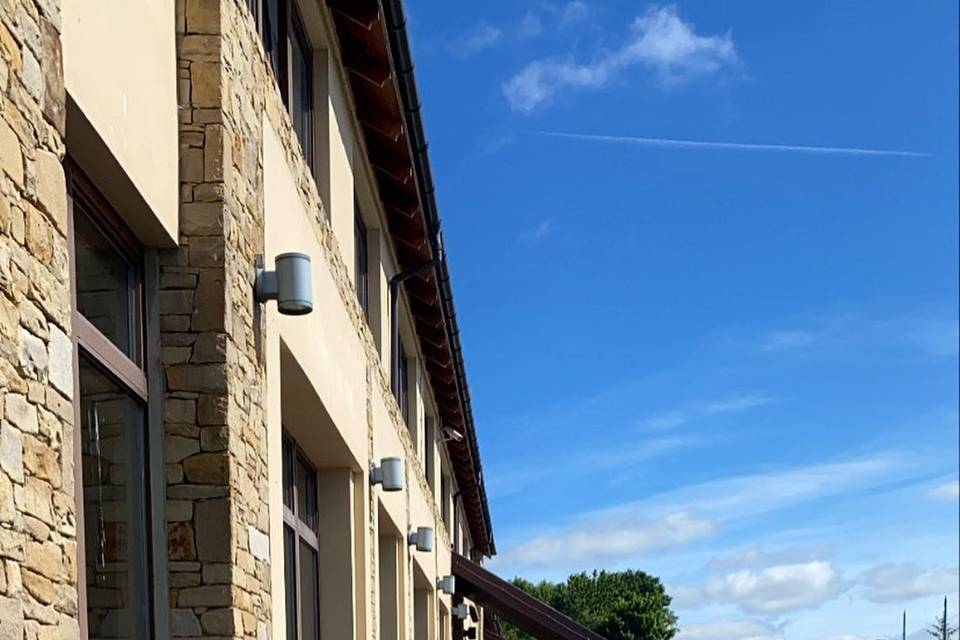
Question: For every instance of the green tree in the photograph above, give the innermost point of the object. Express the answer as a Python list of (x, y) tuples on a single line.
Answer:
[(625, 605), (941, 629)]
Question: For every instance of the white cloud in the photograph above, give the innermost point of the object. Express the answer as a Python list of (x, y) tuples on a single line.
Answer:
[(772, 590), (573, 12), (949, 491), (938, 344), (537, 233), (483, 36), (659, 40), (729, 630), (757, 556), (888, 583), (645, 450), (530, 26), (787, 340), (735, 404), (674, 418), (615, 536), (754, 494)]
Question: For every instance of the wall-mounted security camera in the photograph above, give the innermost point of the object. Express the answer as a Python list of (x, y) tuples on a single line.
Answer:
[(389, 474), (289, 284), (461, 611), (422, 539), (447, 584), (451, 435)]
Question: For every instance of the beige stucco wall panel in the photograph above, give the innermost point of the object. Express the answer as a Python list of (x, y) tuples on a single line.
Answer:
[(120, 72), (324, 343)]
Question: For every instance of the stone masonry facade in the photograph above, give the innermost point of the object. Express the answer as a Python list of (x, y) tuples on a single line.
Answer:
[(214, 422), (38, 572)]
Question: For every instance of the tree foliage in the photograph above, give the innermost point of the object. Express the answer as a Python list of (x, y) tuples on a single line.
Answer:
[(626, 605), (941, 629)]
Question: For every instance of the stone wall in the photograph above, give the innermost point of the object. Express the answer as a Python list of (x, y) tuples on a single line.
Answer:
[(38, 572)]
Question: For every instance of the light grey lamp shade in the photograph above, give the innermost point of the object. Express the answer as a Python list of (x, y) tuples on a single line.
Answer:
[(447, 584), (389, 474), (422, 538), (294, 287), (289, 284)]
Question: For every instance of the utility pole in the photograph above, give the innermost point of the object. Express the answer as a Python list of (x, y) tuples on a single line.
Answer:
[(904, 634)]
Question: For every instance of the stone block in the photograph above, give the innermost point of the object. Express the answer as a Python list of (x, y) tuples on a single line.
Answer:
[(212, 410), (39, 587), (207, 468), (202, 378), (201, 218), (181, 544), (176, 448), (205, 596), (202, 16), (45, 558), (11, 619), (38, 235), (33, 355), (221, 622), (21, 413), (206, 251), (184, 623), (60, 370), (11, 157), (205, 84), (52, 188), (32, 319), (11, 452), (213, 526), (210, 348)]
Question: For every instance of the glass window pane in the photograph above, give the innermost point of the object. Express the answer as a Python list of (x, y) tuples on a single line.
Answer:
[(309, 593), (360, 241), (271, 35), (290, 581), (108, 284), (114, 503), (287, 454), (306, 494), (301, 84)]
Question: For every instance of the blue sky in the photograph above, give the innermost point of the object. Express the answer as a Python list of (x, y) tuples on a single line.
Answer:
[(735, 367)]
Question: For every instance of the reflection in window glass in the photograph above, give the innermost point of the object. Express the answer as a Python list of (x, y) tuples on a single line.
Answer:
[(114, 502), (271, 36), (290, 581), (301, 86), (108, 285), (309, 593)]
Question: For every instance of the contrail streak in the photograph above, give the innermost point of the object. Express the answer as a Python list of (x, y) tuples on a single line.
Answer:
[(734, 146)]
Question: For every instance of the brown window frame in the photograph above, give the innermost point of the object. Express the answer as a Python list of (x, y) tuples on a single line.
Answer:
[(302, 530), (280, 57), (138, 373), (361, 261)]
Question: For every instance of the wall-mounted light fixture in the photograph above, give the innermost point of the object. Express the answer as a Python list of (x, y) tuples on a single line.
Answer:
[(461, 611), (289, 284), (389, 474), (451, 435), (447, 584), (422, 539)]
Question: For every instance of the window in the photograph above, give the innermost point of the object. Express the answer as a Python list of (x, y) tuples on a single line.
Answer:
[(429, 434), (112, 451), (301, 86), (403, 382), (290, 54), (360, 260), (445, 501), (301, 548)]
